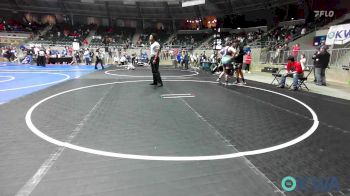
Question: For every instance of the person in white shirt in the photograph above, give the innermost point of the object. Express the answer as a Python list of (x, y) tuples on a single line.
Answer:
[(123, 60), (154, 61), (116, 60), (87, 57), (41, 58), (303, 62), (99, 58)]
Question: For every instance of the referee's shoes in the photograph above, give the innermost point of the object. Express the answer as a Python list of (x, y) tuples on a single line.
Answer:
[(155, 84)]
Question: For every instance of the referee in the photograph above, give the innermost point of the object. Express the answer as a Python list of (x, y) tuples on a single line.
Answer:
[(154, 61)]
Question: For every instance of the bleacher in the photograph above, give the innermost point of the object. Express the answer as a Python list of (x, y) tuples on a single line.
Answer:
[(64, 34), (189, 40), (143, 39), (117, 36), (12, 25)]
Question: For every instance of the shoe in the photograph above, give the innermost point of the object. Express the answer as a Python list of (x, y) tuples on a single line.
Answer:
[(159, 85), (249, 72), (324, 84), (293, 89), (280, 86), (218, 80), (244, 83), (153, 84)]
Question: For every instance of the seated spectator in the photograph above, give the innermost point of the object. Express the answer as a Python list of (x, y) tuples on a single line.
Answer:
[(293, 69)]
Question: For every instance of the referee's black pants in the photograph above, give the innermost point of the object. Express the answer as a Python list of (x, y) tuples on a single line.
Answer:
[(155, 71), (41, 61), (99, 61)]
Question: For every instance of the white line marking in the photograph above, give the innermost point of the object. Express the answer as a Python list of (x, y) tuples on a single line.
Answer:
[(31, 184), (177, 97), (40, 134), (8, 80), (45, 70), (67, 77), (195, 73), (228, 143), (168, 95)]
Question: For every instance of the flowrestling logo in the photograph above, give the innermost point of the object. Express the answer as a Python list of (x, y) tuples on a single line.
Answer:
[(310, 184), (325, 13)]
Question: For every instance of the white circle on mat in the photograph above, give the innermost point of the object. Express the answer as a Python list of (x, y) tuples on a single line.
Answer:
[(36, 131), (66, 77), (7, 80), (194, 73)]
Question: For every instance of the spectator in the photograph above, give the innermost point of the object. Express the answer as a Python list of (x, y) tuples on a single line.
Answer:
[(184, 59), (295, 50), (87, 57), (293, 69), (278, 54), (285, 52), (303, 61), (314, 58), (322, 62), (247, 62)]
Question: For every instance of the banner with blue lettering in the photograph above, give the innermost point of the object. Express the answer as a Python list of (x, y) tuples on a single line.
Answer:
[(338, 35)]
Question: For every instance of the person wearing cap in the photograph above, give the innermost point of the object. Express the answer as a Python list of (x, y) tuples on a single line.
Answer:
[(293, 69), (322, 62)]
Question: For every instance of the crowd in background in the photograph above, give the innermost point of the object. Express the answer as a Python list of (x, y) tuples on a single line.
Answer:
[(12, 25)]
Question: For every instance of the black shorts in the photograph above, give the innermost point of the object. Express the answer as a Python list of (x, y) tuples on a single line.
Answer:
[(228, 66), (238, 65), (229, 72)]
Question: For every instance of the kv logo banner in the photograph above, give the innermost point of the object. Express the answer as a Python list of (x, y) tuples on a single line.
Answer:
[(310, 184), (338, 35), (327, 14)]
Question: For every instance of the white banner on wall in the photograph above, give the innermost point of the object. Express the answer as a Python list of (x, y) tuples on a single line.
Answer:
[(338, 35)]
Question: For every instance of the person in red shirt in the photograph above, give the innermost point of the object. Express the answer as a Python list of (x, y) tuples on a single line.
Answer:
[(85, 42), (293, 69), (247, 62), (295, 50)]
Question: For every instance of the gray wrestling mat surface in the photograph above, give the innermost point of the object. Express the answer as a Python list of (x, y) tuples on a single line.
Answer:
[(124, 115)]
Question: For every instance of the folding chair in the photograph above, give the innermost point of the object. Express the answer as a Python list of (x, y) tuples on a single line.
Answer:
[(302, 80), (277, 76)]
